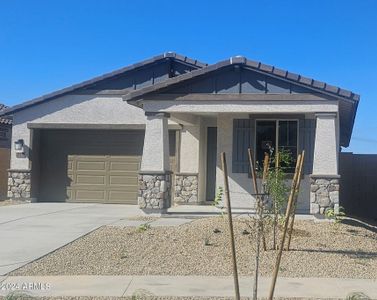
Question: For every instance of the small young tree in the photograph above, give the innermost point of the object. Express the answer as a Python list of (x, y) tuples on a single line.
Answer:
[(277, 186)]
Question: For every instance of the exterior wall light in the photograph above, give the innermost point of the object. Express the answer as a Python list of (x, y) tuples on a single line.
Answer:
[(19, 146)]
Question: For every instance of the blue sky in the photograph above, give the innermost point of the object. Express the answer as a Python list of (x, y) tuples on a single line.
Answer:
[(47, 45)]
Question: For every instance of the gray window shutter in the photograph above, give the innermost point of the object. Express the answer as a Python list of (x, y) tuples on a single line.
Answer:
[(301, 135), (302, 140), (308, 144), (242, 140)]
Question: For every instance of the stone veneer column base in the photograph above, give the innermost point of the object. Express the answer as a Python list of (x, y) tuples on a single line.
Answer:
[(324, 193), (186, 188), (154, 191), (19, 184)]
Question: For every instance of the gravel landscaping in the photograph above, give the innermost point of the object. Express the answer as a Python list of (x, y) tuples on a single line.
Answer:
[(142, 297), (10, 202), (318, 250)]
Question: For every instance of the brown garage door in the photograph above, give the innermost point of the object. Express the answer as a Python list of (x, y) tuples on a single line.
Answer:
[(105, 179), (91, 165)]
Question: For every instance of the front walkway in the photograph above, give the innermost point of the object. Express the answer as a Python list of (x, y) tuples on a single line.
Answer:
[(180, 286)]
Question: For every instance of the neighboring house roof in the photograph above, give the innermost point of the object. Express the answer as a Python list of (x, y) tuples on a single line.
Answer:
[(195, 64), (348, 100), (6, 121)]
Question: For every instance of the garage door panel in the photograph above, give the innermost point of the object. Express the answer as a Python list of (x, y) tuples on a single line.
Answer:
[(90, 179), (91, 165), (96, 195), (132, 166), (123, 180), (121, 197)]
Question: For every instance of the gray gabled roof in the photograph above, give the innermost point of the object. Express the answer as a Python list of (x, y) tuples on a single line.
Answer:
[(348, 100), (310, 83), (70, 89)]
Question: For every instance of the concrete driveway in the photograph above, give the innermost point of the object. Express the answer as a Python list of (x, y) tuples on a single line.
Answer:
[(29, 231)]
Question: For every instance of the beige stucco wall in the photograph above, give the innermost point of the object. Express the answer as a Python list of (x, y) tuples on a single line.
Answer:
[(237, 106), (72, 109), (75, 110), (326, 145), (190, 140), (156, 145)]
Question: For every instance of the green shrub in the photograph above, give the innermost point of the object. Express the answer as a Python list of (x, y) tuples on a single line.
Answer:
[(337, 216), (144, 227)]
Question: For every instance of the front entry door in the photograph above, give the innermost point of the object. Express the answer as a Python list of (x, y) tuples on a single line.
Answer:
[(211, 163)]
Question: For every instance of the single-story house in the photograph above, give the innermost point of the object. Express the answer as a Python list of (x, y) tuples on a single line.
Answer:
[(5, 142), (151, 134)]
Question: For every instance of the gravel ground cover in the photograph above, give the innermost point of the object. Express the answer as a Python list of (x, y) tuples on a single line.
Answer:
[(10, 202), (143, 218), (202, 248), (151, 298), (144, 295)]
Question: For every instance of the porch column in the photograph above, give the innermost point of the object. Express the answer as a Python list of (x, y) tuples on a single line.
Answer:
[(186, 180), (325, 178), (155, 175)]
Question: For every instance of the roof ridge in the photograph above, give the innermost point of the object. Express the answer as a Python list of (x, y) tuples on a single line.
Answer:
[(172, 54)]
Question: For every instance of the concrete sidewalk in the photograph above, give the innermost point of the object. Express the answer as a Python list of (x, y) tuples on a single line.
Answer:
[(180, 286)]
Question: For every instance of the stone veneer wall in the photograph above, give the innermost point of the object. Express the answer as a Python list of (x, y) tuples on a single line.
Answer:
[(324, 193), (186, 188), (154, 191), (19, 184)]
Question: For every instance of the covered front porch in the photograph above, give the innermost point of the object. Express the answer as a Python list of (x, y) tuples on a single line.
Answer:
[(204, 135), (229, 107)]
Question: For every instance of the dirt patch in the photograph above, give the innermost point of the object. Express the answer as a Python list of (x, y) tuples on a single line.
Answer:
[(202, 248)]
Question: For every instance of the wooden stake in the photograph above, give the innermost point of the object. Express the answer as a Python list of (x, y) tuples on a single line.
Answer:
[(277, 162), (265, 167), (266, 164), (253, 174), (288, 211), (293, 212), (259, 213), (229, 211)]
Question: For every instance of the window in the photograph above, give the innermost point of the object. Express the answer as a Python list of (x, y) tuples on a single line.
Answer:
[(277, 134), (263, 134)]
